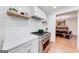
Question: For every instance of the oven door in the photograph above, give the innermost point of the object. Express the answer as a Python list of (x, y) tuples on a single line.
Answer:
[(45, 45)]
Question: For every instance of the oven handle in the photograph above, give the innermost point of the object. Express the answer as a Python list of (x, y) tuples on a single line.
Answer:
[(45, 41)]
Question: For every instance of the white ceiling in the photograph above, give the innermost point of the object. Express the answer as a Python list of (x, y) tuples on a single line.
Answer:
[(68, 15), (50, 9)]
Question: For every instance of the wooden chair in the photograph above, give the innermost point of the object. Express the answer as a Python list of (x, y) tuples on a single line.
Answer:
[(69, 35)]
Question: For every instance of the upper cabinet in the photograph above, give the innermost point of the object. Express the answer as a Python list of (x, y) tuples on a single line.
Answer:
[(38, 14)]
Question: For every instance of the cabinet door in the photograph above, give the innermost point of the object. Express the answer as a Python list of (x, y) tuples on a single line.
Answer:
[(34, 47), (28, 49)]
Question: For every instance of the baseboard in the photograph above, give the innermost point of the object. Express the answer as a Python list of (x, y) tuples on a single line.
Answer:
[(74, 35), (52, 40), (77, 49)]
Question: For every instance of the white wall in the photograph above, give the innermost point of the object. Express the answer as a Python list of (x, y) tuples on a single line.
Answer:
[(51, 25), (16, 27), (12, 26), (72, 24), (78, 32), (1, 28)]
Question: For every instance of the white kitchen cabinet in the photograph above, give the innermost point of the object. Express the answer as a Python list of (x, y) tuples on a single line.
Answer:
[(35, 46), (38, 12), (24, 48), (20, 49), (29, 47)]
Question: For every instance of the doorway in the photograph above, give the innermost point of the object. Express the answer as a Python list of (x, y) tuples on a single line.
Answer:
[(66, 32)]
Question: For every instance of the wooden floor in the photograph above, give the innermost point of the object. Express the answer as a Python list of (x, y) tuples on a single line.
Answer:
[(63, 45)]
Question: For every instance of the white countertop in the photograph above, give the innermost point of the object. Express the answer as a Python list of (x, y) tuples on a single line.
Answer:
[(14, 41)]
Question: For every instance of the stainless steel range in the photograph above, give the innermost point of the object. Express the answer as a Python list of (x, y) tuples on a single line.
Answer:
[(44, 41)]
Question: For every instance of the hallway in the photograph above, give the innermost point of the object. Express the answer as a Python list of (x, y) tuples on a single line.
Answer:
[(63, 45)]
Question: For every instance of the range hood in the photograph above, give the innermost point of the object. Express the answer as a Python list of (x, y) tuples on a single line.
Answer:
[(38, 14)]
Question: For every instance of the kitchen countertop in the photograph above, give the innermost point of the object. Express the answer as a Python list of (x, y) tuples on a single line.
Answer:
[(16, 41)]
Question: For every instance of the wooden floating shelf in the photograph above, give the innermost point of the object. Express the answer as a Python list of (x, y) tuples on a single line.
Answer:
[(16, 14)]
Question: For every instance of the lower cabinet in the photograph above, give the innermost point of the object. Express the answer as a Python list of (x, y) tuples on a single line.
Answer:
[(35, 46), (29, 47), (28, 50)]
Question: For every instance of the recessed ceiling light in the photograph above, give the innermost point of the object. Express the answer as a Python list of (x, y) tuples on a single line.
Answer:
[(54, 7)]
